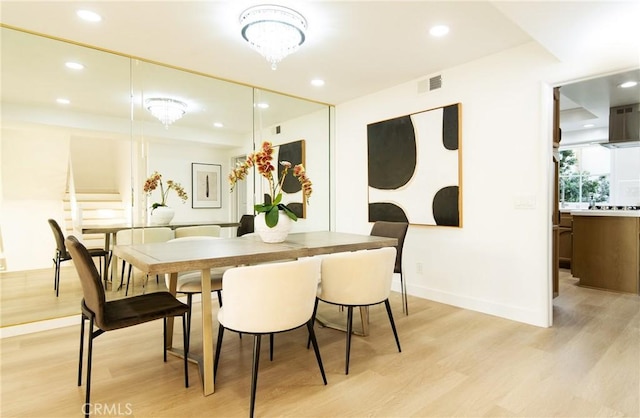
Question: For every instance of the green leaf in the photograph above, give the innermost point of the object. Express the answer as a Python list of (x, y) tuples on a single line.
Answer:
[(277, 200), (288, 211), (260, 208), (271, 217)]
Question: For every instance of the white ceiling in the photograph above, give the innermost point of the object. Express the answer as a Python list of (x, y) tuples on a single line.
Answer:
[(357, 47)]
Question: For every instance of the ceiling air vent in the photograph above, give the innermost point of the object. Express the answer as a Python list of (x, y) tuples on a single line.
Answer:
[(435, 82), (429, 84)]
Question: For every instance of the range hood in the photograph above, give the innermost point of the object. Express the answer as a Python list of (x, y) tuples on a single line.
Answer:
[(624, 127)]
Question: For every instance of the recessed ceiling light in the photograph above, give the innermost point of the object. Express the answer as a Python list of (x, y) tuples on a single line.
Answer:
[(628, 84), (74, 65), (63, 101), (263, 105), (317, 82), (439, 30), (218, 125), (89, 16), (588, 125)]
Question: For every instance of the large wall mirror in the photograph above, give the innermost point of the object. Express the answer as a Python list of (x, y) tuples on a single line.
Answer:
[(78, 144)]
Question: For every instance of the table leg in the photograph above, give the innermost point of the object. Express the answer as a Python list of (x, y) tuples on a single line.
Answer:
[(364, 317), (207, 333)]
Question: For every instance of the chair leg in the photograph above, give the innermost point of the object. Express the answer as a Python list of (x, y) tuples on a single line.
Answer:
[(405, 299), (55, 282), (271, 347), (82, 319), (87, 400), (312, 337), (185, 343), (254, 374), (122, 275), (218, 350), (164, 338), (189, 304), (126, 291), (349, 329), (313, 320), (57, 275), (393, 325)]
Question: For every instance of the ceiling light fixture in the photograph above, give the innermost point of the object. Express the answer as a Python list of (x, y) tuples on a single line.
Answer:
[(439, 30), (317, 82), (74, 65), (628, 84), (274, 31), (89, 16), (166, 110)]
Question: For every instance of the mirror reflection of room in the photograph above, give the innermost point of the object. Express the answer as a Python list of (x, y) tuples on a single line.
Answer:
[(91, 141)]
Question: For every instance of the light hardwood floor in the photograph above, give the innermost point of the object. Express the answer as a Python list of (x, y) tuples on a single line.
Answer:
[(454, 363), (28, 296)]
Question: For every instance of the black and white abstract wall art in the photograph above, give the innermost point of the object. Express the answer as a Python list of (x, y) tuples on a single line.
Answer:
[(414, 164)]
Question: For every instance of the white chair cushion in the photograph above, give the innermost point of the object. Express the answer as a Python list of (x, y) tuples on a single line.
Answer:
[(269, 298), (357, 278)]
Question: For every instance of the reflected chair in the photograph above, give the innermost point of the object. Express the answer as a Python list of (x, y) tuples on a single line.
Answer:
[(140, 236), (190, 283), (396, 230), (246, 225), (63, 255), (121, 313), (265, 299), (359, 278), (199, 230)]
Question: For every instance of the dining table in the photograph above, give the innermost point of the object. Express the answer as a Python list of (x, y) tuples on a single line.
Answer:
[(202, 255), (110, 231)]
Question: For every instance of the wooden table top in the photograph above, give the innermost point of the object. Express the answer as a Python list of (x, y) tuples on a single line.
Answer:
[(171, 257)]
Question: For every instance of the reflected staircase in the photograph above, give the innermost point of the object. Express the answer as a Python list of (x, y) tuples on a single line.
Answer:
[(95, 209)]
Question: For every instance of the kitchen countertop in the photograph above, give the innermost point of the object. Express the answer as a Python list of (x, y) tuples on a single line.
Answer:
[(597, 212)]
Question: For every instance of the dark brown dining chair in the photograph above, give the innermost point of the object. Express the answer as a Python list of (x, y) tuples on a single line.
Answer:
[(121, 313), (396, 230), (246, 225), (63, 255)]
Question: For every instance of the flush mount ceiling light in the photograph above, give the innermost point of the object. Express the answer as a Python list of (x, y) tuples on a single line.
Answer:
[(166, 110), (274, 31), (628, 84)]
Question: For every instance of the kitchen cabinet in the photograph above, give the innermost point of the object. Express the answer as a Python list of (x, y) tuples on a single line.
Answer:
[(565, 240), (606, 250)]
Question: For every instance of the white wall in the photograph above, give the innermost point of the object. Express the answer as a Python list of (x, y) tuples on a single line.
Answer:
[(174, 163), (499, 261), (625, 176), (34, 178)]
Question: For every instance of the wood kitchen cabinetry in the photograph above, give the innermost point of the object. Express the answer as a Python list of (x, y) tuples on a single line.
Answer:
[(606, 252), (565, 240)]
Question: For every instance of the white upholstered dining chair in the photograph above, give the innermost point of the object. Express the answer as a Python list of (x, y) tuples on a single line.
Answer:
[(359, 278), (266, 299)]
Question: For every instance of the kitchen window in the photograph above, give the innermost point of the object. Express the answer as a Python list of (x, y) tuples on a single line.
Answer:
[(584, 176)]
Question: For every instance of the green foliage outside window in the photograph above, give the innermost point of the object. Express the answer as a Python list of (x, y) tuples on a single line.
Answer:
[(580, 186)]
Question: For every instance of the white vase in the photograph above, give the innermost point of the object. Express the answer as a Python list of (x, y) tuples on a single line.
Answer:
[(162, 215), (276, 234)]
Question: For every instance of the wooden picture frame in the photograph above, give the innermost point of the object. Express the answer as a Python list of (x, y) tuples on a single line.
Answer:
[(206, 186)]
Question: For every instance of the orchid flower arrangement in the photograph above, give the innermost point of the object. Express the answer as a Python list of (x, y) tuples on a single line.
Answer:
[(154, 181), (262, 160)]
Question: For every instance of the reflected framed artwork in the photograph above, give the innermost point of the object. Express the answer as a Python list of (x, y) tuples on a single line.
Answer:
[(205, 186)]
